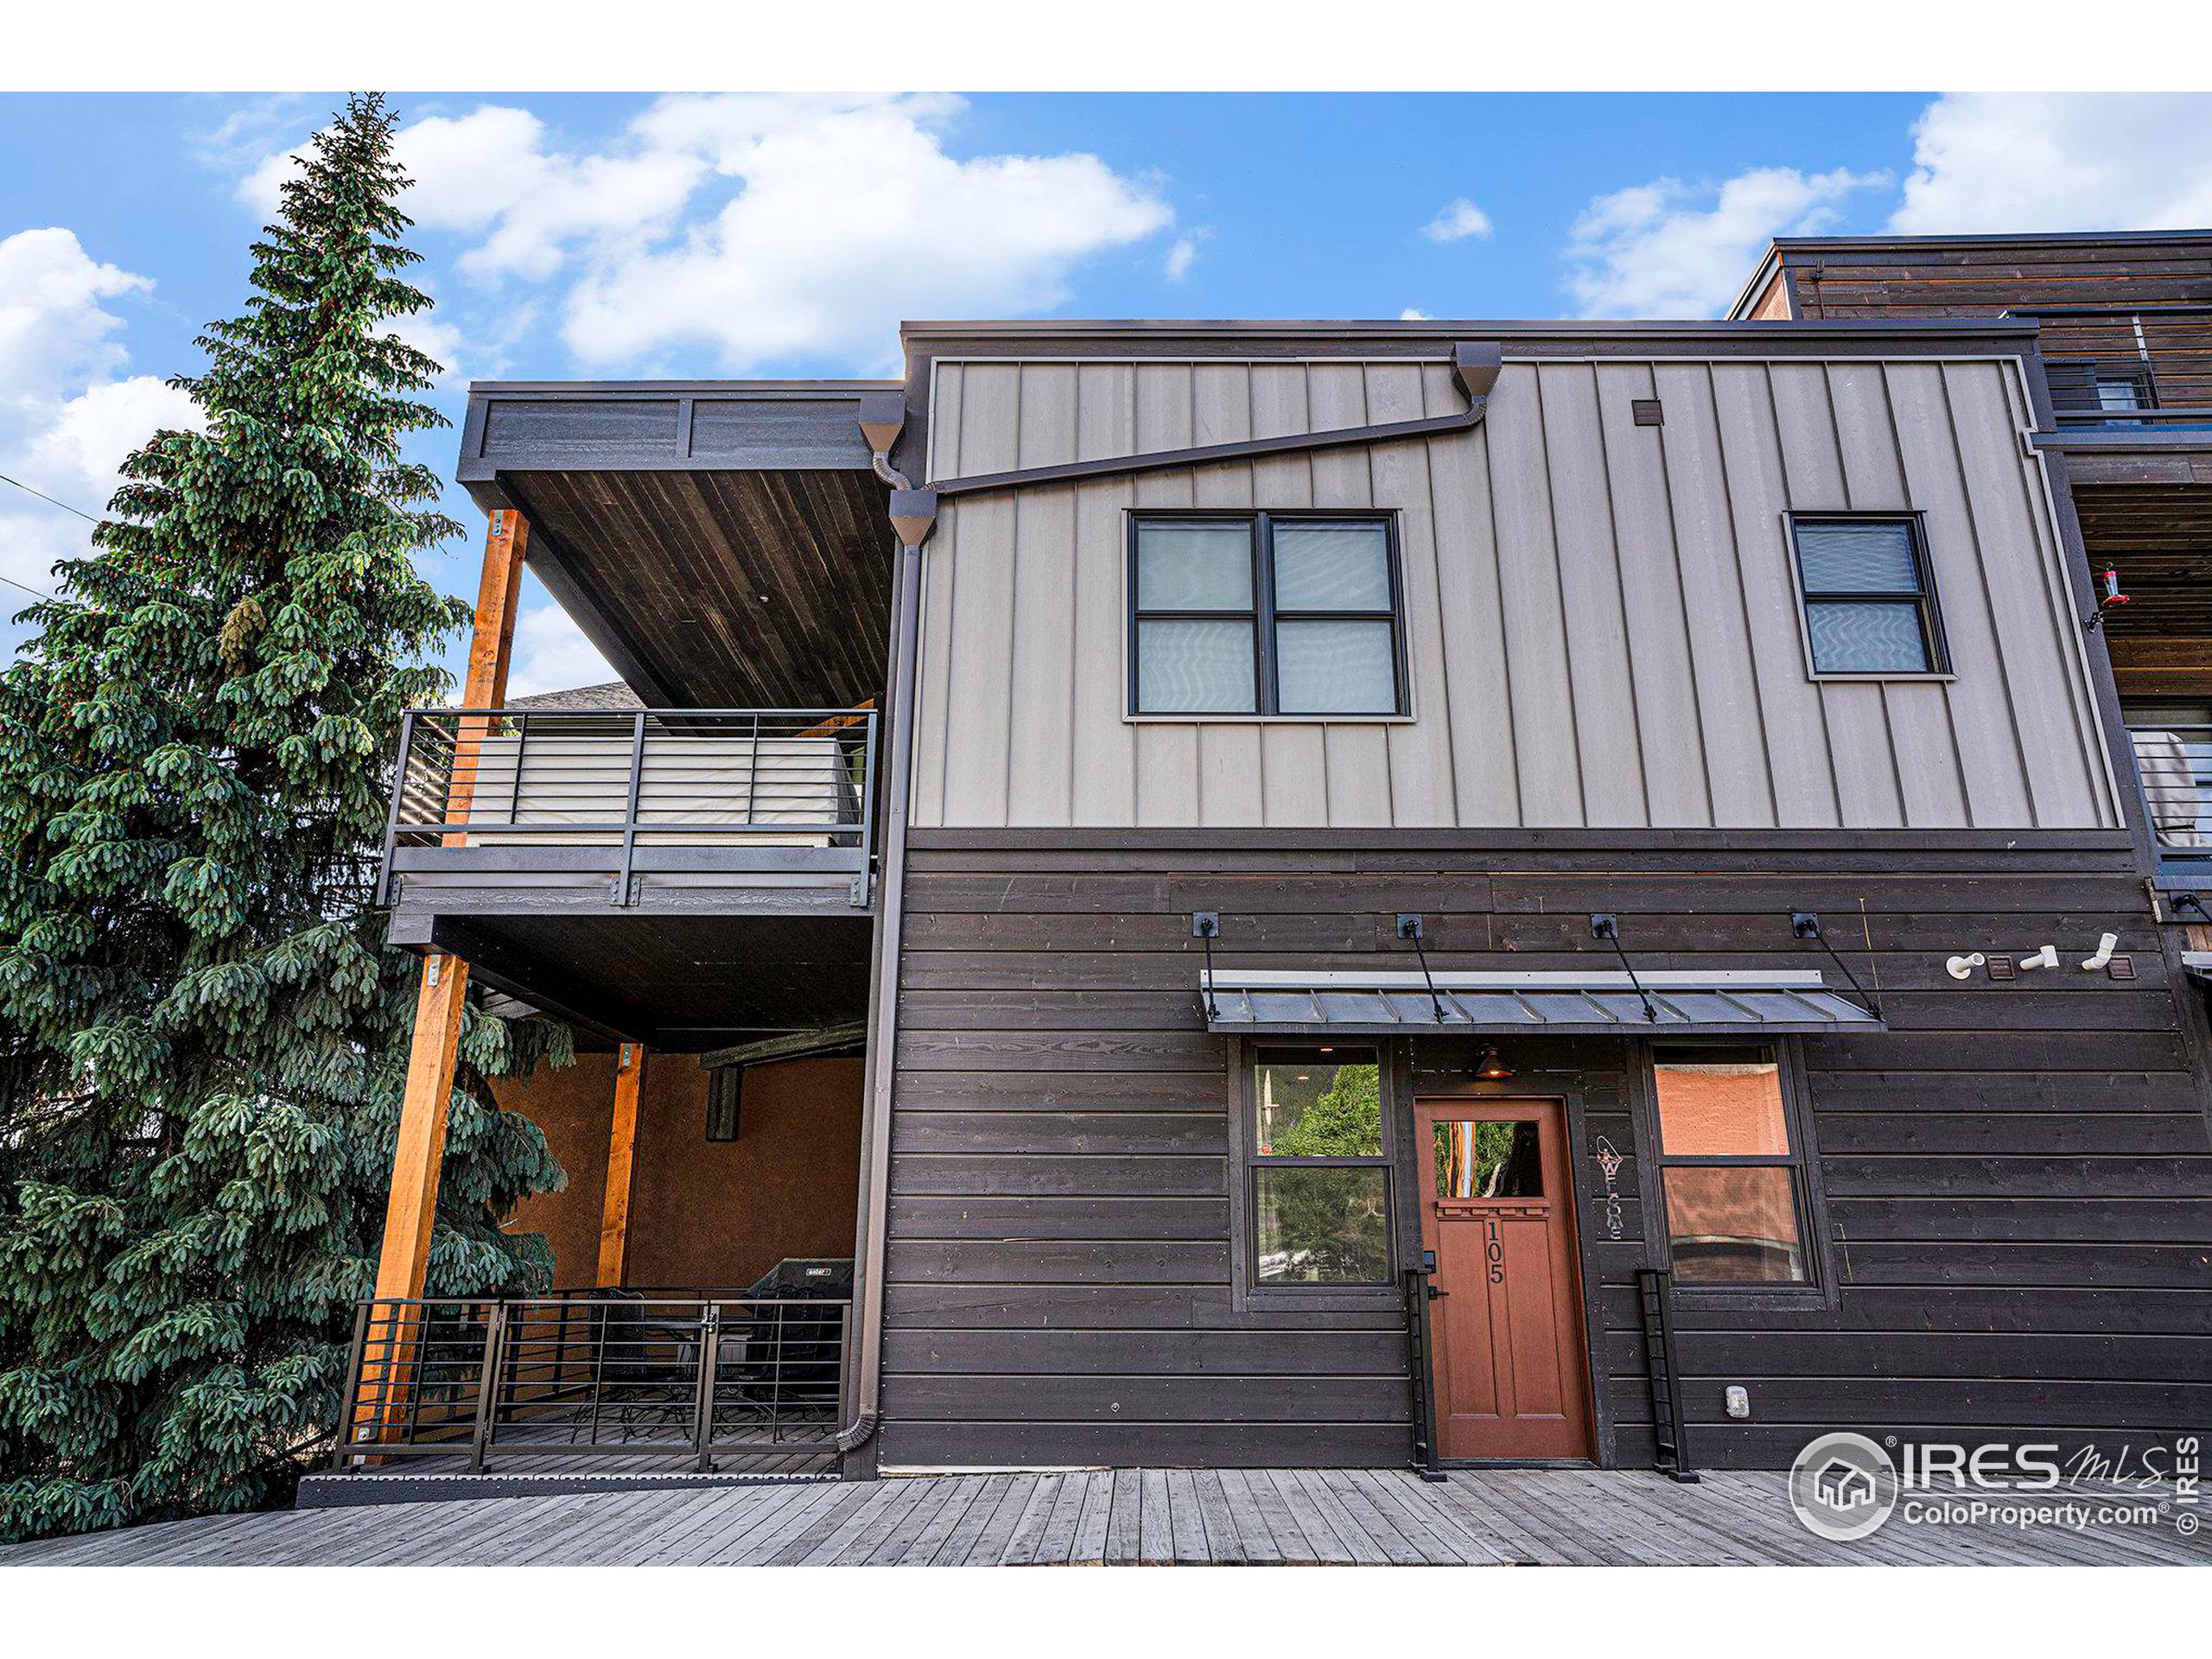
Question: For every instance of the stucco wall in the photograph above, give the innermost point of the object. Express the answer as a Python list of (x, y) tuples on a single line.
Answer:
[(702, 1213)]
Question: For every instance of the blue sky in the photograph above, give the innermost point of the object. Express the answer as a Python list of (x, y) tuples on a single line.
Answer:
[(613, 235)]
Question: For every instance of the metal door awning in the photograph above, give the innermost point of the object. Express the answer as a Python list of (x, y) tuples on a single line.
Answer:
[(1366, 1003)]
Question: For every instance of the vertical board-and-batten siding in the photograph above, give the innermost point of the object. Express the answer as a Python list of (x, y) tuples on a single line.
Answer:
[(1602, 625)]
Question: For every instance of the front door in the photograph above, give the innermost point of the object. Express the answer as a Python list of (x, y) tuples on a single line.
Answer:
[(1496, 1208)]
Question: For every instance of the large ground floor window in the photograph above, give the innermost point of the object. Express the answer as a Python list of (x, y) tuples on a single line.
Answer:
[(1317, 1173), (1731, 1167)]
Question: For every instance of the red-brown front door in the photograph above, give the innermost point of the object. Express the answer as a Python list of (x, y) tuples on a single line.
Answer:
[(1497, 1210)]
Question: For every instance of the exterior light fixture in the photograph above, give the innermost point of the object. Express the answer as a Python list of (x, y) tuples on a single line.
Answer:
[(1489, 1066)]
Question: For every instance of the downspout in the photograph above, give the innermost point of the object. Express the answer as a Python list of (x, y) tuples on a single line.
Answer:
[(913, 515)]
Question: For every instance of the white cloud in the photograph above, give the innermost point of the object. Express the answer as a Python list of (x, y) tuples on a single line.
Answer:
[(764, 226), (1182, 257), (2025, 162), (1456, 220), (440, 342), (551, 654), (1413, 314), (68, 412), (1668, 248)]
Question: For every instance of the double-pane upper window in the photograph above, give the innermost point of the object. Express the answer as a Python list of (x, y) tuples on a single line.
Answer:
[(1265, 614), (1870, 605)]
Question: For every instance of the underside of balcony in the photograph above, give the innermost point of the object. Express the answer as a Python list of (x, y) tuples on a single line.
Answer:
[(721, 543), (684, 982)]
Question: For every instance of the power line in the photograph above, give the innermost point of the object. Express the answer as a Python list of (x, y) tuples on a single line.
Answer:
[(39, 593), (35, 593), (48, 500)]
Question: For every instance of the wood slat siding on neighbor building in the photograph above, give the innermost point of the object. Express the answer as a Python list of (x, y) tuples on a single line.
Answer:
[(1903, 277), (2018, 1176), (1602, 625)]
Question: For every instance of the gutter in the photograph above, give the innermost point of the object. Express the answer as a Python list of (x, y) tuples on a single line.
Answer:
[(914, 516)]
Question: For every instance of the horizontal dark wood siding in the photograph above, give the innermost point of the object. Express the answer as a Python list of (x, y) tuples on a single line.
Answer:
[(2018, 1176)]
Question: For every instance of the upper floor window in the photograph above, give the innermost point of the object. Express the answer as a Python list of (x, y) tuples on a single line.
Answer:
[(1266, 614), (1869, 595)]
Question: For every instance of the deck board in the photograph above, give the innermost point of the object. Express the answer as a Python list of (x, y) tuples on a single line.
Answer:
[(1127, 1516)]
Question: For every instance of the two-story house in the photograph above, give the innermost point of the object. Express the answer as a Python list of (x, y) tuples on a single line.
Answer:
[(1460, 891)]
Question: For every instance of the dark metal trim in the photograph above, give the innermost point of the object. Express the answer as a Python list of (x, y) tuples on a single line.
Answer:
[(1507, 840), (1230, 337), (1250, 448), (565, 389)]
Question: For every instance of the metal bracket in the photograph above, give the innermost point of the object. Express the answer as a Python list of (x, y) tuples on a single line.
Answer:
[(862, 888), (1606, 926), (1410, 928), (2177, 906), (1804, 924), (1206, 925)]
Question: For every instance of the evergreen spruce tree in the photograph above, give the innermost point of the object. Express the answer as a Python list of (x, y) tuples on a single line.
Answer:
[(202, 1038)]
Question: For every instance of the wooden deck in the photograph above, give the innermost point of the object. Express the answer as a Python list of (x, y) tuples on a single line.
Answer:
[(1123, 1516)]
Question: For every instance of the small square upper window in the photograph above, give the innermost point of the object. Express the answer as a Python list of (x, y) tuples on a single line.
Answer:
[(1870, 602)]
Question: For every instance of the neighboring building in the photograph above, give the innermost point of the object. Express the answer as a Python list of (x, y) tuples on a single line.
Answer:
[(1270, 800)]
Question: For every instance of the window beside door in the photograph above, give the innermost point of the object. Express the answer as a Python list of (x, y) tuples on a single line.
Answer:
[(1317, 1174), (1732, 1169), (1266, 615)]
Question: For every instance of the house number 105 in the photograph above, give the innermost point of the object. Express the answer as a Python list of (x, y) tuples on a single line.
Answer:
[(1494, 1251)]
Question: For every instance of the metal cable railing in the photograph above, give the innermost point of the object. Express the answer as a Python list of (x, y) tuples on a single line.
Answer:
[(2174, 762), (609, 1373), (622, 780)]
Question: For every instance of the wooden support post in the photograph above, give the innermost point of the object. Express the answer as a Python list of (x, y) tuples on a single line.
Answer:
[(622, 1147), (506, 544), (412, 1209), (411, 1215)]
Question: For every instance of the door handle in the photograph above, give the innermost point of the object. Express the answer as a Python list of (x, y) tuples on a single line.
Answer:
[(1434, 1294)]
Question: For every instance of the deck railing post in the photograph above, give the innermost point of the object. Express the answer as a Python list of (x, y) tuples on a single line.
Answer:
[(630, 812), (753, 772), (868, 812), (398, 797), (703, 1424), (487, 1385), (351, 1427)]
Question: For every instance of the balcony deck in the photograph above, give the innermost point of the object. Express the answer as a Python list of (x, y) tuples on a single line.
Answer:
[(1484, 1517), (685, 878)]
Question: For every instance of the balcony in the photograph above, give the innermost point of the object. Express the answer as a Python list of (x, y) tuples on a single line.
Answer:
[(2175, 764), (682, 877), (658, 799)]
